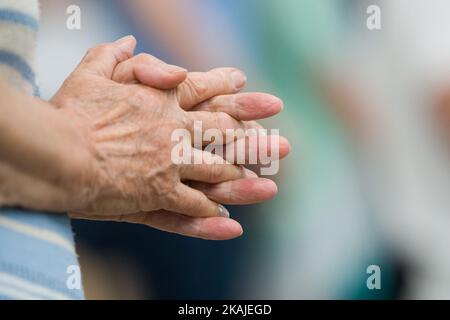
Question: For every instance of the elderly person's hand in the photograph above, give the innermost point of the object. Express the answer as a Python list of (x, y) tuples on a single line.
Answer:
[(104, 151), (129, 126)]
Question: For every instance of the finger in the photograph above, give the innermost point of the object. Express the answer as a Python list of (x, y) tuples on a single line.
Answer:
[(217, 123), (149, 71), (102, 59), (238, 192), (215, 228), (253, 125), (243, 106), (201, 86), (219, 128), (259, 149), (191, 202), (207, 167)]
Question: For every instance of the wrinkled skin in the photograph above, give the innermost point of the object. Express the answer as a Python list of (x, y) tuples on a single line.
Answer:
[(127, 128)]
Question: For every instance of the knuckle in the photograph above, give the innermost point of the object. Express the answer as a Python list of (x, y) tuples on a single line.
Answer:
[(168, 198), (223, 79), (212, 105), (100, 49), (163, 187), (95, 52), (215, 172), (142, 58), (197, 88), (137, 98)]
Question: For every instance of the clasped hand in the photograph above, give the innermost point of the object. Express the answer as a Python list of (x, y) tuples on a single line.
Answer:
[(124, 109)]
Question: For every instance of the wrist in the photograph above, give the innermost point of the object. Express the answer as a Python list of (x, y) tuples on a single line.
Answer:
[(45, 161), (76, 162)]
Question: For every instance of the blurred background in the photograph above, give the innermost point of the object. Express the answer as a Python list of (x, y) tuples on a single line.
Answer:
[(368, 117)]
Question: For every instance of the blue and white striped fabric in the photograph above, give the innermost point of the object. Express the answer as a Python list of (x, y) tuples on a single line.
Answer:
[(36, 249)]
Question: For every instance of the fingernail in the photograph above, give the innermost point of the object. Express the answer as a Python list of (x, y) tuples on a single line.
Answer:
[(282, 105), (174, 69), (280, 102), (124, 41), (249, 173), (223, 212), (239, 79)]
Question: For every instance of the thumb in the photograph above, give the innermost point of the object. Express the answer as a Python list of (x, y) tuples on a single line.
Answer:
[(102, 59), (149, 71)]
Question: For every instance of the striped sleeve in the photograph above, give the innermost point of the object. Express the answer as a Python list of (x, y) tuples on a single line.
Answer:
[(18, 32), (36, 252), (36, 248)]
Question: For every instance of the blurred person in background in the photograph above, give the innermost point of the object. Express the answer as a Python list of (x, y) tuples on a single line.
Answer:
[(375, 190), (394, 104)]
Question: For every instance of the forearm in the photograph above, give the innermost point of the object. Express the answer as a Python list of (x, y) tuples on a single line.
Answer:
[(40, 152)]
